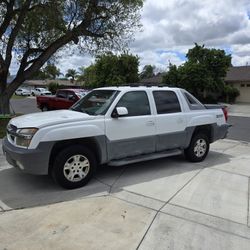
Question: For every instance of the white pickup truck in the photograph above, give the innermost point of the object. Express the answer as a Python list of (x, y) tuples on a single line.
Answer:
[(114, 126)]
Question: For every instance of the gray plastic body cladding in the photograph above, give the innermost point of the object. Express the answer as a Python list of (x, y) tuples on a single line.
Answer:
[(130, 147), (171, 140), (101, 142), (149, 144), (34, 161), (219, 132)]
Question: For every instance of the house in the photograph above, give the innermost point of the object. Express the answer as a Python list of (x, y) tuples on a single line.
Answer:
[(239, 77), (155, 80), (45, 83)]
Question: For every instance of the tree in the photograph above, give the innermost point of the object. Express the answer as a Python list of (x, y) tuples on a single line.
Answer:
[(51, 71), (80, 77), (173, 76), (71, 73), (32, 31), (48, 72), (147, 71), (203, 71), (90, 76), (110, 69)]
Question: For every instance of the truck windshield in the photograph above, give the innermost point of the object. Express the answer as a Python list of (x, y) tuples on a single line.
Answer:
[(96, 102)]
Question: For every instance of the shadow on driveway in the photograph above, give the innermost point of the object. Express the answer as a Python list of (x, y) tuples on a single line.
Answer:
[(157, 179)]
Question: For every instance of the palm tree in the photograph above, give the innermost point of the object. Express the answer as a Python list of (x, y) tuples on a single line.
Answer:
[(72, 74)]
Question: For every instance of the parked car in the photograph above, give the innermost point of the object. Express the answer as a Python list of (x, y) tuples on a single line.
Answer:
[(38, 91), (63, 99), (46, 92), (114, 126), (22, 92)]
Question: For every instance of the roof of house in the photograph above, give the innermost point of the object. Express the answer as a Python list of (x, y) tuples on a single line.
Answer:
[(157, 79), (238, 74), (46, 82)]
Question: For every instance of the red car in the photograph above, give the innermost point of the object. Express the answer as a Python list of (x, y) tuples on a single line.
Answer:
[(63, 99)]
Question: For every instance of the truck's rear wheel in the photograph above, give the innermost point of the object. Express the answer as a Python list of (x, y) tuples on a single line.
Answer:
[(74, 166), (198, 148)]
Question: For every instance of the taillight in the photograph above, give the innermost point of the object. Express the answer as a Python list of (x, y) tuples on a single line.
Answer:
[(225, 112)]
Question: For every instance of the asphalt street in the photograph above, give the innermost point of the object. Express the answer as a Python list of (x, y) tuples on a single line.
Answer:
[(24, 106), (240, 129)]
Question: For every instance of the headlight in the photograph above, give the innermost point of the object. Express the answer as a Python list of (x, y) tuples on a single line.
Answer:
[(24, 136)]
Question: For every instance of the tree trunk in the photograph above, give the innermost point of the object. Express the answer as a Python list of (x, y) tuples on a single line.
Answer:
[(4, 104)]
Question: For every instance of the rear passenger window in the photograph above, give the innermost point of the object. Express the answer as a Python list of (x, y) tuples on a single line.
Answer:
[(166, 102), (62, 94), (136, 103), (192, 102)]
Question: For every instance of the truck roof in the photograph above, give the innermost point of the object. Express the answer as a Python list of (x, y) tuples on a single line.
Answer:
[(74, 90), (126, 88)]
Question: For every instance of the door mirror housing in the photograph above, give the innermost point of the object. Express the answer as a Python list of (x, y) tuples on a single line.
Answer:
[(119, 112)]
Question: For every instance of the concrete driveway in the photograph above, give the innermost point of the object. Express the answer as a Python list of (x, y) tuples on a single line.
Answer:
[(161, 204)]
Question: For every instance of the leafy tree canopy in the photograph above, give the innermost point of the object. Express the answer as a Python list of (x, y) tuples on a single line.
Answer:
[(147, 71), (110, 69), (72, 74), (48, 72), (203, 71), (34, 30)]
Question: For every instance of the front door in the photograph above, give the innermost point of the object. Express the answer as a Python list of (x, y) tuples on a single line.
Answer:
[(133, 134)]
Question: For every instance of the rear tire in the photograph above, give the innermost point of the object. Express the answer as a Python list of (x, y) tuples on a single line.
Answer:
[(74, 166), (198, 148)]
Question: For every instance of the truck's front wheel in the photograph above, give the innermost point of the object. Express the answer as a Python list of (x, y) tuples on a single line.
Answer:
[(44, 108), (198, 148), (74, 166)]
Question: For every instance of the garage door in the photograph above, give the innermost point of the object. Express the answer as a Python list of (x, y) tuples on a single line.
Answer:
[(244, 89)]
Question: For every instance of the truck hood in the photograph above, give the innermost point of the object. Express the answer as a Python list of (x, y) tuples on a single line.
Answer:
[(39, 120)]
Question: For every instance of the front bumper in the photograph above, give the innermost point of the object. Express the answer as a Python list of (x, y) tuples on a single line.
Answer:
[(32, 161)]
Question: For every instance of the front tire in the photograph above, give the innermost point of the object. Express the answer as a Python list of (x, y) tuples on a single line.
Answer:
[(74, 166), (198, 148), (44, 108)]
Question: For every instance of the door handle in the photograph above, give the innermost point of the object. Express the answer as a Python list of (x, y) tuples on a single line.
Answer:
[(150, 123)]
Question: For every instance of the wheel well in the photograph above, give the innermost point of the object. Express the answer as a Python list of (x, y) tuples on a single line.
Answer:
[(206, 129), (89, 142)]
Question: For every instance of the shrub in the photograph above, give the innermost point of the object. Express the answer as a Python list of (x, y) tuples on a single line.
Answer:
[(53, 87), (4, 120), (230, 93)]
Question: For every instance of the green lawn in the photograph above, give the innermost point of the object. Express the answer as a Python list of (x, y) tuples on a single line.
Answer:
[(18, 97), (3, 123)]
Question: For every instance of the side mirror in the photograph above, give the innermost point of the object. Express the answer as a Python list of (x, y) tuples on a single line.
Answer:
[(119, 111)]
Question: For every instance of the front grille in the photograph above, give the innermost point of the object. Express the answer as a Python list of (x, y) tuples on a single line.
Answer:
[(11, 132)]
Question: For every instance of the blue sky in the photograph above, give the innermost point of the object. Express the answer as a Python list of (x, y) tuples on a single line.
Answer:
[(171, 27)]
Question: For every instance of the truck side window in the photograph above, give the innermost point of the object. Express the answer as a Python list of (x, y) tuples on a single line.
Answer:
[(62, 94), (192, 102), (136, 102), (166, 102)]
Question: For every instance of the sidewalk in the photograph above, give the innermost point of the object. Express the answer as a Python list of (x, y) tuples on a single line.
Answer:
[(163, 204)]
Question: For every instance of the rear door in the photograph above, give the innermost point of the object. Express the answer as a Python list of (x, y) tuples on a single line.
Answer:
[(170, 121), (133, 134)]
